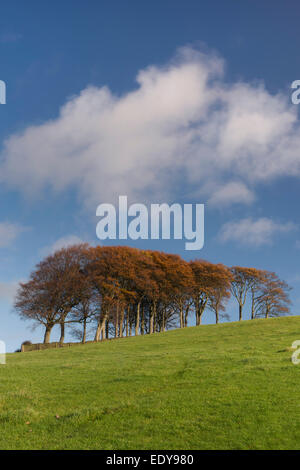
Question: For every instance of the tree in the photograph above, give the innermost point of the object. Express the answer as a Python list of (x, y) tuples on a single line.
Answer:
[(257, 278), (112, 273), (243, 280), (83, 313), (208, 279), (124, 290), (55, 287), (33, 303), (273, 299), (180, 276), (220, 293)]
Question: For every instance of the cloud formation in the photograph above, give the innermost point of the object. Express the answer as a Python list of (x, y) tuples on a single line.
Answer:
[(231, 193), (182, 127), (8, 290), (9, 232), (62, 242), (253, 232)]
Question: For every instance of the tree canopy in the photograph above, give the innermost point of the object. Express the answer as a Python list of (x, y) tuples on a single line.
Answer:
[(119, 290)]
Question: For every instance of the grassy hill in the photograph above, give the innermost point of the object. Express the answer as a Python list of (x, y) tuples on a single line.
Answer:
[(229, 386)]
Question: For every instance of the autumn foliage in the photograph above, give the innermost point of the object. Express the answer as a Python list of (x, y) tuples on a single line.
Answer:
[(120, 291)]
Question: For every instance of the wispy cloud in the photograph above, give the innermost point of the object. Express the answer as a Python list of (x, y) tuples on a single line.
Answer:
[(231, 193), (62, 242), (8, 290), (253, 232), (9, 232), (182, 124)]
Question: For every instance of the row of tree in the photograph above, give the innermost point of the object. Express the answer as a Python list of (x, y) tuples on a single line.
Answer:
[(122, 291)]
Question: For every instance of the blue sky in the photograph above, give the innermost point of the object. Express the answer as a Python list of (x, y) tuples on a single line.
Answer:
[(166, 101)]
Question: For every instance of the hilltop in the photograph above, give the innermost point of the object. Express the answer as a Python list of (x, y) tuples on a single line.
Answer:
[(227, 386)]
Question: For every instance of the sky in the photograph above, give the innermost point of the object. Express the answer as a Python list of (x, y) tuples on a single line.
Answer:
[(162, 101)]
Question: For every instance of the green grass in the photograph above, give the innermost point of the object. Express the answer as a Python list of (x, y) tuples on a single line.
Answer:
[(230, 386)]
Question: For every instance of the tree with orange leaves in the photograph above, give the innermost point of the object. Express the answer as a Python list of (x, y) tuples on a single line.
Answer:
[(54, 288), (208, 279), (273, 299), (125, 290), (243, 280), (220, 293)]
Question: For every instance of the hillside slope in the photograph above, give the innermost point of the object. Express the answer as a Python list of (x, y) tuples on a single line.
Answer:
[(229, 386)]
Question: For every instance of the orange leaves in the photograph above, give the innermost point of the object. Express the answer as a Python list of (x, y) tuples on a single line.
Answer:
[(269, 293), (124, 286)]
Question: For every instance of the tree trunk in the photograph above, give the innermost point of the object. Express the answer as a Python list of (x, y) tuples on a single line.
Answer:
[(103, 326), (137, 323), (154, 318), (47, 334), (186, 316), (98, 331), (126, 324), (267, 312), (163, 327), (181, 317), (130, 326), (217, 316), (142, 321), (117, 322), (198, 316), (62, 332), (151, 321), (240, 311), (200, 310), (252, 307), (121, 321), (84, 331), (106, 329), (199, 313)]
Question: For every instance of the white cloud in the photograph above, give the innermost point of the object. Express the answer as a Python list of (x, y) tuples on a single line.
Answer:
[(182, 124), (8, 290), (253, 232), (63, 242), (231, 193), (9, 232)]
